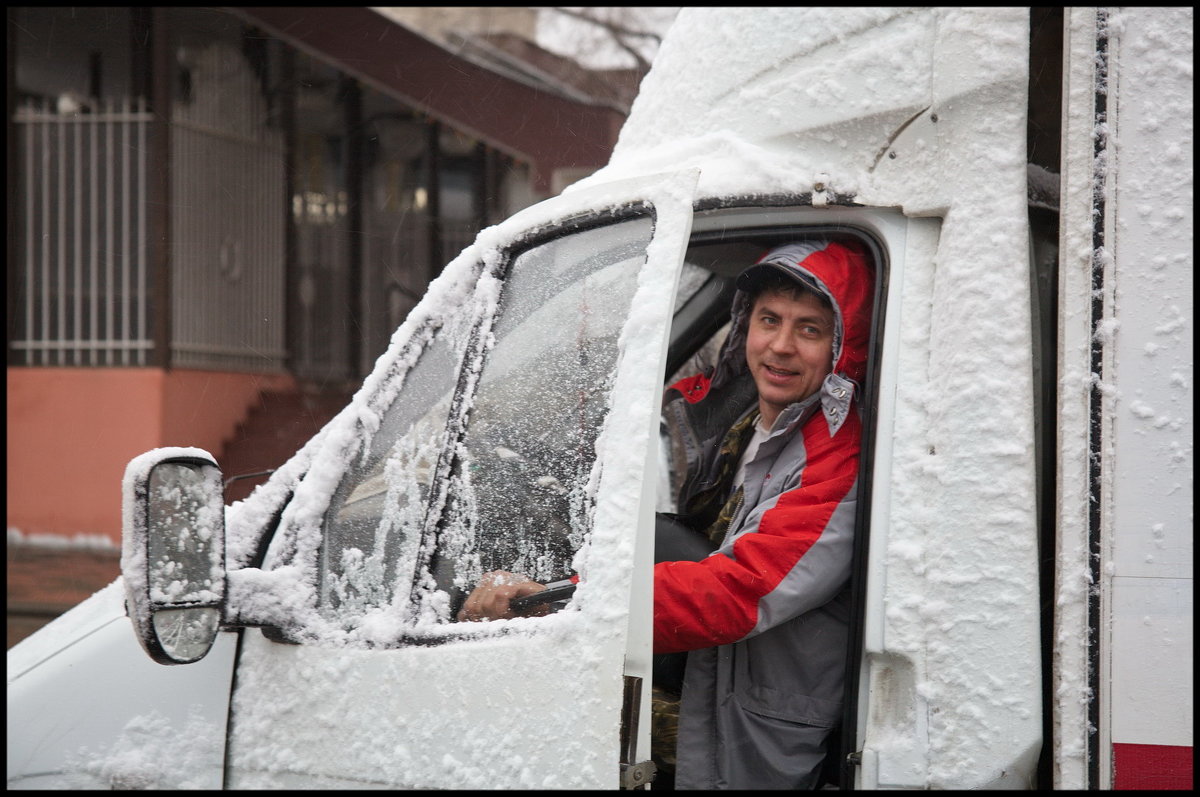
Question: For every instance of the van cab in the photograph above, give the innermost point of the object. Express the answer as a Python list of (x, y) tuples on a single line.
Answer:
[(306, 637)]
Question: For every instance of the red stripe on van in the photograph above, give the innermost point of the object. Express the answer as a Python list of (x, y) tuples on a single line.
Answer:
[(1151, 766)]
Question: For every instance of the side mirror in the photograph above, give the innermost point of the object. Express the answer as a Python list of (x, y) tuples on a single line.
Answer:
[(173, 552)]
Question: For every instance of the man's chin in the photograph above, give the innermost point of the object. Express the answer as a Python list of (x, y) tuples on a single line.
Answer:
[(776, 393)]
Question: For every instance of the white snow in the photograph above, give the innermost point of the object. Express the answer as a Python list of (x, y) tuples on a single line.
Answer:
[(134, 760)]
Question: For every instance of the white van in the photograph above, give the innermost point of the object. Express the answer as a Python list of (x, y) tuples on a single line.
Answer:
[(1022, 610)]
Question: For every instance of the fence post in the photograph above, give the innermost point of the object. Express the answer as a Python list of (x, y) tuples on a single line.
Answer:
[(433, 188), (352, 107), (155, 38), (292, 309), (14, 182)]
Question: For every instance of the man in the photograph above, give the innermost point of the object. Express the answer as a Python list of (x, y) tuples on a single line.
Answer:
[(764, 617)]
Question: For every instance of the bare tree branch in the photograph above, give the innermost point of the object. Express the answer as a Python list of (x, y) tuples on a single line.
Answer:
[(608, 25), (617, 31)]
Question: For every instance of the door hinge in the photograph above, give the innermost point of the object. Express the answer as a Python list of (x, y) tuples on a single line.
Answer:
[(633, 775)]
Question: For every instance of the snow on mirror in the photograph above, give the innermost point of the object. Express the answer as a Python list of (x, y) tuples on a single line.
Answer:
[(185, 557), (520, 491)]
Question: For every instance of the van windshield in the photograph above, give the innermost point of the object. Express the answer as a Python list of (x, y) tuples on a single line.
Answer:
[(520, 479)]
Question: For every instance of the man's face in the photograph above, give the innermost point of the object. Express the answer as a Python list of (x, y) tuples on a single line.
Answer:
[(789, 348)]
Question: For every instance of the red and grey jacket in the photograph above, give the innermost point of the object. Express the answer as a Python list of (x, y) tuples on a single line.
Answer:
[(765, 615)]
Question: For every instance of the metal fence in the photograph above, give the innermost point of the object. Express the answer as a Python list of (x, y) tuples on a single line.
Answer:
[(82, 254), (227, 244), (85, 283), (84, 278)]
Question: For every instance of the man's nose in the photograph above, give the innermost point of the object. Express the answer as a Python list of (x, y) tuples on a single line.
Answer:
[(782, 342)]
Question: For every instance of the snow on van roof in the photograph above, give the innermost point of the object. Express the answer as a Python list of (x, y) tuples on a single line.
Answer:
[(796, 99)]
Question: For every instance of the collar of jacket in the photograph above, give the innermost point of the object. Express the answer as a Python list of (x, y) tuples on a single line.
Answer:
[(833, 398)]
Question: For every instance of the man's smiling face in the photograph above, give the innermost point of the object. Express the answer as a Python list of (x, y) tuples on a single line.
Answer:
[(789, 348)]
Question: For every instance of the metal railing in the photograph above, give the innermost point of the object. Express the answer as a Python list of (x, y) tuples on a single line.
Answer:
[(82, 254), (227, 250), (85, 286), (228, 218), (84, 282)]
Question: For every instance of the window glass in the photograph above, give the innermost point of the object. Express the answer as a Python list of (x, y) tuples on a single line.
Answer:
[(519, 498), (691, 279), (373, 525)]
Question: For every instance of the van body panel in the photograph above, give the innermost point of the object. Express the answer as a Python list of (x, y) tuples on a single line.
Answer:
[(93, 711), (472, 714), (1122, 651), (846, 110), (1152, 251)]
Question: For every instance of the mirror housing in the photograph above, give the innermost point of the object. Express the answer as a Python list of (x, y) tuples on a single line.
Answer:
[(173, 552)]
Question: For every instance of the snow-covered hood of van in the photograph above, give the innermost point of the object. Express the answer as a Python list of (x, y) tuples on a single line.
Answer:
[(851, 103)]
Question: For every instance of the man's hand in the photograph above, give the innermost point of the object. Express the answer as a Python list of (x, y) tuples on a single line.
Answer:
[(489, 600)]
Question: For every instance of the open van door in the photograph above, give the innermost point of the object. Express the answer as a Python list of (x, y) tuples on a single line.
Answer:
[(922, 112), (511, 426)]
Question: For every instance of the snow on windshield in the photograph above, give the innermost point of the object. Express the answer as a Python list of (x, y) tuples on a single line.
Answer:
[(285, 588), (578, 651)]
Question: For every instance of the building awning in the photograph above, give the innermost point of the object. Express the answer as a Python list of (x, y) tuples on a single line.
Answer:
[(528, 122)]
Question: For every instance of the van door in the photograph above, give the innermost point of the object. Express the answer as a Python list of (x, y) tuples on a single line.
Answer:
[(510, 427)]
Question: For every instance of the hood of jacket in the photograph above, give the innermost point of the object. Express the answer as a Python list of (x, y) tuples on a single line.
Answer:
[(838, 269)]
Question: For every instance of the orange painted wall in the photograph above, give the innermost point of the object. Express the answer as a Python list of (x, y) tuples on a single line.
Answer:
[(203, 408), (71, 431)]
